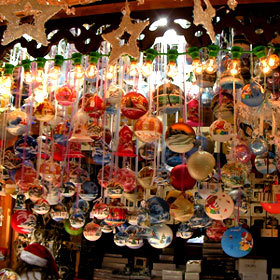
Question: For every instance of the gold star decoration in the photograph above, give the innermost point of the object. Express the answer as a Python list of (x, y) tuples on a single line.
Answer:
[(114, 37), (17, 16)]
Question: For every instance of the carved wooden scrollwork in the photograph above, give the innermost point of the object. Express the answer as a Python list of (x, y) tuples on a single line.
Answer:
[(259, 24)]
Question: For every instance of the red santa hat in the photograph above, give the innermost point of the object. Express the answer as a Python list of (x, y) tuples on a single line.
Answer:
[(36, 254)]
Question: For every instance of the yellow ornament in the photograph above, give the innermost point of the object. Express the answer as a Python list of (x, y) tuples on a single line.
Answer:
[(133, 29), (15, 15)]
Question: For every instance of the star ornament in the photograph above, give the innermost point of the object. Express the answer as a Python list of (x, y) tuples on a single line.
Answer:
[(114, 37), (27, 17)]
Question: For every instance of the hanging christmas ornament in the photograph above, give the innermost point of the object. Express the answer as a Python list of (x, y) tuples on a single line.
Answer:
[(61, 132), (168, 98), (99, 211), (68, 189), (114, 189), (158, 210), (89, 191), (181, 179), (92, 231), (222, 104), (221, 130), (184, 231), (199, 219), (240, 199), (50, 170), (252, 94), (126, 26), (127, 178), (105, 174), (94, 106), (17, 122), (26, 147), (101, 153), (209, 187), (44, 111), (77, 219), (41, 207), (243, 153), (35, 192), (237, 242), (121, 238), (148, 128), (117, 214), (7, 273), (172, 158), (146, 178), (265, 163), (146, 151), (204, 17), (16, 27), (219, 206), (200, 165), (23, 221), (258, 146), (180, 137), (114, 94), (59, 212), (134, 105), (233, 174), (72, 231), (126, 147), (162, 236), (193, 113), (216, 230), (181, 205), (65, 95)]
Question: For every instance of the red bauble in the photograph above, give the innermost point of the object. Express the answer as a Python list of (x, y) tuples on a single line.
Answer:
[(134, 105), (94, 106), (65, 95), (117, 214), (23, 221), (180, 178)]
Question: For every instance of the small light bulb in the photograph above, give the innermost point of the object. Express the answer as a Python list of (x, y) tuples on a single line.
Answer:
[(273, 61), (133, 69), (91, 71), (6, 81), (211, 66), (28, 78), (265, 68), (40, 75), (54, 73), (79, 71), (197, 66), (234, 67), (110, 72), (147, 68), (172, 70)]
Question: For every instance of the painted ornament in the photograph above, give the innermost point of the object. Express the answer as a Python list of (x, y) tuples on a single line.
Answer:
[(253, 94), (65, 95), (44, 111), (158, 210), (216, 230), (162, 236), (126, 147), (233, 174), (221, 130)]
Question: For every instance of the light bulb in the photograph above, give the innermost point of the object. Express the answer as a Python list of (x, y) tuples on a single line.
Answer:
[(234, 67), (147, 68), (39, 75), (110, 72), (197, 66), (211, 65), (28, 78), (6, 81), (91, 71), (54, 73), (265, 68), (79, 71), (133, 69), (273, 61), (172, 70)]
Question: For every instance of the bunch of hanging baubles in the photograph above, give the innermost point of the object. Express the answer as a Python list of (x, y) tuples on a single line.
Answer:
[(151, 172)]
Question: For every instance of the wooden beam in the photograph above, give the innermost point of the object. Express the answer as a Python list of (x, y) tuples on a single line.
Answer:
[(98, 9)]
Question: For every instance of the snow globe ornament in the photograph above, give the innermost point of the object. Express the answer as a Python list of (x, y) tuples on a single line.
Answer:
[(233, 174), (221, 130), (114, 94), (94, 106), (68, 189), (200, 219), (265, 163), (92, 231), (61, 133), (26, 147), (216, 230), (59, 212), (77, 219), (65, 95), (252, 94), (180, 137), (222, 105), (243, 153), (158, 210), (120, 238), (148, 128), (200, 165), (114, 189), (41, 207), (44, 111), (162, 236), (100, 211), (17, 122), (117, 214), (184, 231), (80, 129), (134, 105), (237, 242), (181, 179), (168, 98), (72, 231), (89, 191), (181, 205), (50, 170), (258, 146), (219, 206), (23, 221), (145, 178)]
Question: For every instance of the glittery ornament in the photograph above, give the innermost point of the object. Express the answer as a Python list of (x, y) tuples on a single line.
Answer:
[(126, 25), (14, 14)]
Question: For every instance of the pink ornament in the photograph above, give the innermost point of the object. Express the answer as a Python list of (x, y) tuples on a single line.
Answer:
[(127, 178), (65, 95), (243, 153)]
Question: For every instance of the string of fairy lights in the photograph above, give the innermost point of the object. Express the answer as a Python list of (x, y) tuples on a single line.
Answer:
[(268, 59)]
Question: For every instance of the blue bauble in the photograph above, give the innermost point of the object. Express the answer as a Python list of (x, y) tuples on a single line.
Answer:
[(172, 158), (26, 147), (158, 210), (89, 191), (200, 218), (252, 94), (258, 146)]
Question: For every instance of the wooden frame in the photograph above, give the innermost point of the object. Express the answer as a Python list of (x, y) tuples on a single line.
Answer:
[(140, 262)]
